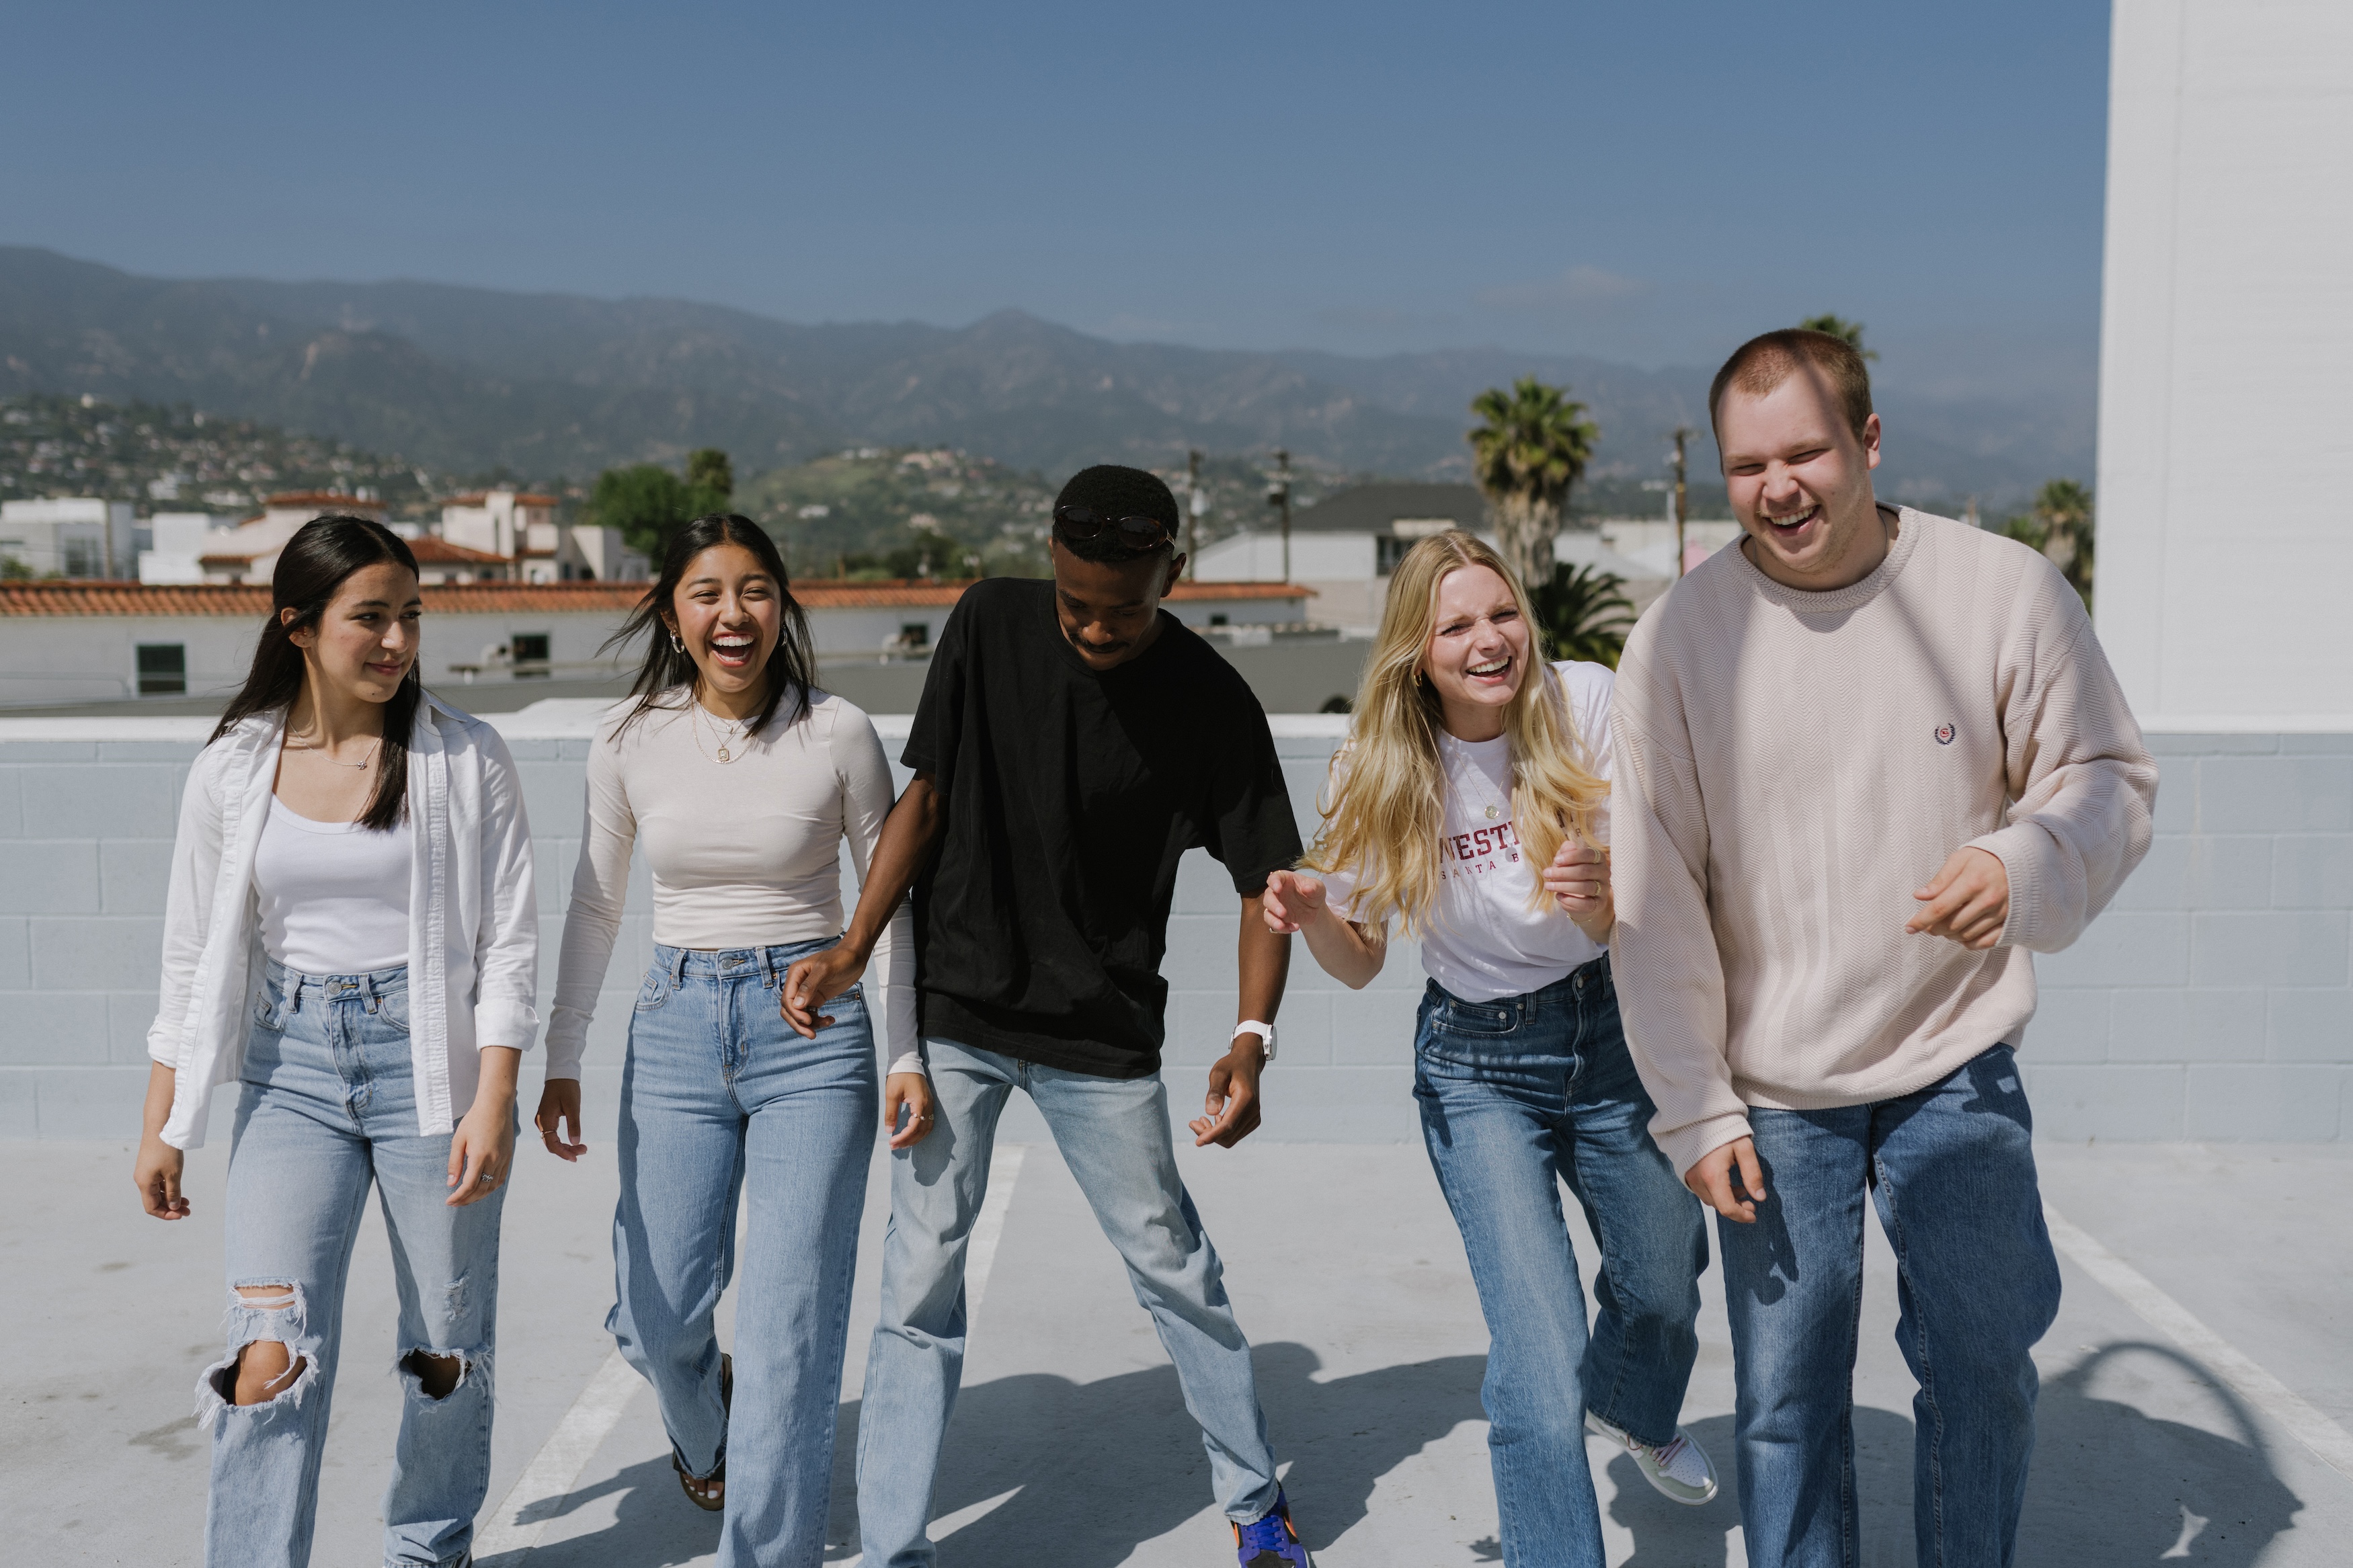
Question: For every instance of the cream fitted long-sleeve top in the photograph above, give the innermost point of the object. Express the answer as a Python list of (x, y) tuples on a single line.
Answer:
[(745, 853), (1791, 766)]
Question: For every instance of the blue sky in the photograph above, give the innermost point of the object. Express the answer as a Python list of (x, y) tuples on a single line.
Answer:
[(1646, 182)]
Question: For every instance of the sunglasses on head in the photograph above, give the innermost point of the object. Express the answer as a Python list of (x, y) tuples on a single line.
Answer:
[(1086, 523)]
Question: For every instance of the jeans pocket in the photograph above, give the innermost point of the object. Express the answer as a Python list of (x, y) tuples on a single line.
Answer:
[(392, 1010), (654, 992)]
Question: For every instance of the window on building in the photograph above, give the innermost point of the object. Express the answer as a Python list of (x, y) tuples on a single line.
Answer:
[(163, 669), (915, 635), (83, 558), (529, 650), (1387, 553), (1217, 618)]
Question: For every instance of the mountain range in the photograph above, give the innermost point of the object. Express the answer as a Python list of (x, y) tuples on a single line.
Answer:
[(467, 381)]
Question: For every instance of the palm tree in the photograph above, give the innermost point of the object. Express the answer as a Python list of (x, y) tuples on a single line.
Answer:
[(1839, 327), (2061, 527), (1583, 614), (1533, 446)]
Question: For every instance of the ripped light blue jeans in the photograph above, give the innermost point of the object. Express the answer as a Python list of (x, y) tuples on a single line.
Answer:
[(327, 1110)]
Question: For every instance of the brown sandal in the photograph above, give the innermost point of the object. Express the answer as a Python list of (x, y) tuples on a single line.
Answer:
[(712, 1497)]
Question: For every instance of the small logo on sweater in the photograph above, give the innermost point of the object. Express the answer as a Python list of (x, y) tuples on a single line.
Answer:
[(1945, 733)]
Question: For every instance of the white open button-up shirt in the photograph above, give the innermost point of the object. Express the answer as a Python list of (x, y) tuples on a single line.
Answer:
[(473, 917)]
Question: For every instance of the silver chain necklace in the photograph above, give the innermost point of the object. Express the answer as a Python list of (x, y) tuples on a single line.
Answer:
[(334, 762)]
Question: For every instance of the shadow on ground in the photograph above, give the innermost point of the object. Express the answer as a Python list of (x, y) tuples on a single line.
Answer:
[(2110, 1485), (1099, 1468)]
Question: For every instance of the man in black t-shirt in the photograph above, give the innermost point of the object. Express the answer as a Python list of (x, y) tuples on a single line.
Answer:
[(1074, 742)]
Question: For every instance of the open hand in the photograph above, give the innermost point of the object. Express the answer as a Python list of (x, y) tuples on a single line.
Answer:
[(482, 1151), (1293, 899), (814, 980), (1231, 1109), (1967, 899)]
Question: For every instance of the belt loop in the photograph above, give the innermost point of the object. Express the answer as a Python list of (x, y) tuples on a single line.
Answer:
[(677, 968), (294, 996)]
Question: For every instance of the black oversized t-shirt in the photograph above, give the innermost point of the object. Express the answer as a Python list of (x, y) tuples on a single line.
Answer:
[(1069, 797)]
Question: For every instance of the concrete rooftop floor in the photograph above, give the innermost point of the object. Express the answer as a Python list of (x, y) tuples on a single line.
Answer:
[(1348, 1277)]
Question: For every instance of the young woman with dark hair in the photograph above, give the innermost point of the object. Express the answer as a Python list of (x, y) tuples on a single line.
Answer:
[(367, 846), (743, 780), (1471, 807)]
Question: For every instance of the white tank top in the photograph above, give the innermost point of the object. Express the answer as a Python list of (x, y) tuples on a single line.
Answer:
[(334, 895)]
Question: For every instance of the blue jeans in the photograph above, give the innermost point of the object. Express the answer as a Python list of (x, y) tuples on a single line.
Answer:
[(1516, 1096), (1951, 1169), (1113, 1134), (721, 1098), (327, 1110)]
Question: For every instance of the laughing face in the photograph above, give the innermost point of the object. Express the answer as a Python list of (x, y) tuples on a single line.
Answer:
[(729, 612), (1800, 482), (1478, 651)]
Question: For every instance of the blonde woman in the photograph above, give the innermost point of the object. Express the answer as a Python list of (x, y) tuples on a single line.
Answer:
[(1472, 763)]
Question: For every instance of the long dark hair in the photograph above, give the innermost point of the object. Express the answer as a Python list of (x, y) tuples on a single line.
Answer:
[(310, 570), (792, 668)]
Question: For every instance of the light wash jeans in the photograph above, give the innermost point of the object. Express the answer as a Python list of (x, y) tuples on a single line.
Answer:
[(327, 1109), (721, 1098), (1113, 1134), (1951, 1169), (1518, 1095)]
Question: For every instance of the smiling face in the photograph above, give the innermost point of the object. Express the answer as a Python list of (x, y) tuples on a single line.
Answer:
[(1110, 610), (367, 641), (729, 610), (1799, 482), (1478, 651)]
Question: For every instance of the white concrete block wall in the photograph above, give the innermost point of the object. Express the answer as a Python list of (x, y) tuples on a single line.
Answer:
[(2213, 1001)]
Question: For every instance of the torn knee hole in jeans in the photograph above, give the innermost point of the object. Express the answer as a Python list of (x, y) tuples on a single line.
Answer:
[(433, 1375), (263, 1312)]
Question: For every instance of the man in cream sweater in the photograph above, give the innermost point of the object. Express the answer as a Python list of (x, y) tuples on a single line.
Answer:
[(1868, 761)]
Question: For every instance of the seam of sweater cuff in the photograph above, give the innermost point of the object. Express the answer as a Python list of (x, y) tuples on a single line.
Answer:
[(1687, 1146), (2019, 865)]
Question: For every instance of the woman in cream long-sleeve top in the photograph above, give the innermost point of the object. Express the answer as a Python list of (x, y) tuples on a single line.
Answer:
[(742, 781)]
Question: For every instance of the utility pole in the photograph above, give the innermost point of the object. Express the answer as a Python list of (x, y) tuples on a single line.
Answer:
[(1278, 494), (1682, 434), (1196, 502)]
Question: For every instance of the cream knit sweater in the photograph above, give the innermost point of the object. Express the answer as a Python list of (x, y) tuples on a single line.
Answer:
[(1791, 765)]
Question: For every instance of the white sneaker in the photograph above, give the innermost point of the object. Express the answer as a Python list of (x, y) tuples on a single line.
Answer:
[(1678, 1470)]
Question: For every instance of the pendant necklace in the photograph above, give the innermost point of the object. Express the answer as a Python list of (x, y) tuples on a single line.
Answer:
[(1493, 807), (726, 737), (325, 756)]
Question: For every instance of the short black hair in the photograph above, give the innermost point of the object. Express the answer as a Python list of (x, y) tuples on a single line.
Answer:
[(1113, 491)]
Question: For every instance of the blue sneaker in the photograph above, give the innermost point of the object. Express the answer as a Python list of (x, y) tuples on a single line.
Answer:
[(1271, 1541)]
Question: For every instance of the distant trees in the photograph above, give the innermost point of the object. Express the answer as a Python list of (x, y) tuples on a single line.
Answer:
[(1838, 327), (711, 478), (1583, 613), (646, 500), (1532, 445), (2059, 525)]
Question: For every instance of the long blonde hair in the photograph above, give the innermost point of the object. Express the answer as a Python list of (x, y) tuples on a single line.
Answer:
[(1383, 808)]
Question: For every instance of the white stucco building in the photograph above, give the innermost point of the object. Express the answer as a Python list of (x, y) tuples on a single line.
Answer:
[(75, 536), (2225, 577), (73, 642)]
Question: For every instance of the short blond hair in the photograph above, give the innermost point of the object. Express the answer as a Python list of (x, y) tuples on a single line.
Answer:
[(1765, 362)]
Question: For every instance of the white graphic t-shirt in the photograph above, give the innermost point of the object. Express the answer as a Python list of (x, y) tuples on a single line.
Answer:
[(1483, 940)]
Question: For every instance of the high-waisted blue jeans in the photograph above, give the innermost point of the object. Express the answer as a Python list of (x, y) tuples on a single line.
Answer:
[(719, 1098), (1951, 1169), (326, 1110), (1518, 1096)]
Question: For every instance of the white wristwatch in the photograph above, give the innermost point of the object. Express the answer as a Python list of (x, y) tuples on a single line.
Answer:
[(1265, 1033)]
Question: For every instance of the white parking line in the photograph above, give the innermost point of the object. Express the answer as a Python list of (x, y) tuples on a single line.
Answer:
[(556, 1469), (2328, 1441)]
